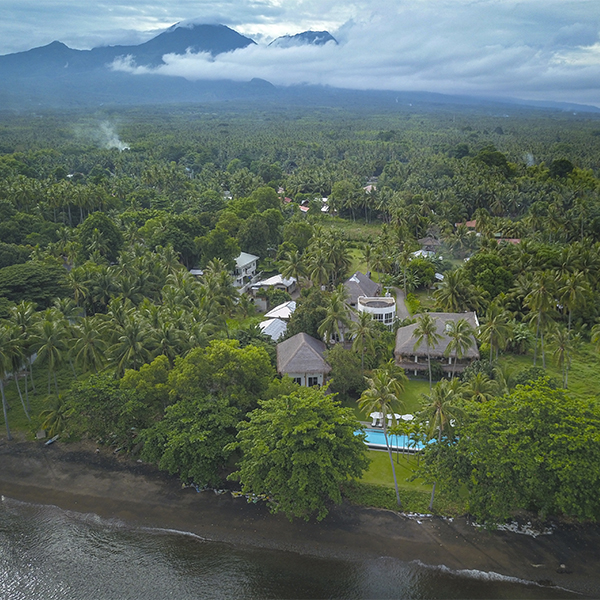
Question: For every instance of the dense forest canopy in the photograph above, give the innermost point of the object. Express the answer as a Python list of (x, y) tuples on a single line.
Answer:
[(102, 217)]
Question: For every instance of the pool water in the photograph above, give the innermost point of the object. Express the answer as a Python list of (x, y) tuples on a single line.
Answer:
[(376, 439)]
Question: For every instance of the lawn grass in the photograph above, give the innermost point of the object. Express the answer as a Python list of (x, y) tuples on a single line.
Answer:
[(584, 373), (380, 470), (354, 231)]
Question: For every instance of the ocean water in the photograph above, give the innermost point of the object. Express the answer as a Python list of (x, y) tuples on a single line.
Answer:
[(48, 553)]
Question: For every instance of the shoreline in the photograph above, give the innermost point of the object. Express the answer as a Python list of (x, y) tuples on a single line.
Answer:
[(74, 477)]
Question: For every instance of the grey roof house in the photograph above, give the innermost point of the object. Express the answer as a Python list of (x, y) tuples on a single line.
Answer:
[(360, 285), (302, 358), (415, 360)]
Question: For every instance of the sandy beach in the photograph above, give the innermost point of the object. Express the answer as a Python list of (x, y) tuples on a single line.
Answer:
[(76, 477)]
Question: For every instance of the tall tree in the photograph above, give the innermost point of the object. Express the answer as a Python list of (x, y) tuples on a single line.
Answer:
[(298, 449), (495, 328), (462, 338), (439, 409), (426, 330), (541, 302), (383, 395)]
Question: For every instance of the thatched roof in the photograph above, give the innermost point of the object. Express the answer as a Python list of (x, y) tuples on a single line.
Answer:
[(405, 338), (301, 354)]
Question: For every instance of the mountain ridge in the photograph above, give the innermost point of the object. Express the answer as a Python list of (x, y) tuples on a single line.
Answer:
[(56, 76)]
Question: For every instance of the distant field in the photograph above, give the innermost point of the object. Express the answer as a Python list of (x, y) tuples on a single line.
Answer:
[(357, 231)]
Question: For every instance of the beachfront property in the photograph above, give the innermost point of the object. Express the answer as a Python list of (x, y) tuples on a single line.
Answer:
[(302, 357), (414, 360)]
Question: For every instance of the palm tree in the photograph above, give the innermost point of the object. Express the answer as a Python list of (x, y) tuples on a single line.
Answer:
[(167, 340), (337, 315), (564, 344), (55, 417), (363, 330), (24, 317), (5, 368), (462, 337), (50, 343), (292, 265), (439, 410), (383, 395), (14, 347), (480, 388), (426, 330), (456, 294), (131, 348), (573, 291), (495, 328), (540, 301), (90, 345)]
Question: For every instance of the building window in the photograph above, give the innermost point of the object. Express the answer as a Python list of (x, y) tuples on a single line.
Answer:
[(298, 380), (313, 381)]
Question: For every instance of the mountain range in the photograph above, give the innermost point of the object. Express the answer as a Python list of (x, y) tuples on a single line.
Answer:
[(56, 76)]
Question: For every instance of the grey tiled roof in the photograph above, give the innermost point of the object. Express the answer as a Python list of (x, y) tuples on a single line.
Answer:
[(301, 354), (360, 285)]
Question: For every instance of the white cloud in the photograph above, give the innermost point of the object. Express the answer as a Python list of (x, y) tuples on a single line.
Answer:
[(531, 48)]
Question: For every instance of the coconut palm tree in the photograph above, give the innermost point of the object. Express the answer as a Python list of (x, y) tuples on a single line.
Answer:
[(426, 330), (55, 417), (130, 351), (337, 316), (541, 302), (5, 369), (495, 328), (383, 395), (50, 343), (292, 265), (363, 331), (462, 338), (439, 409), (563, 343), (24, 317), (480, 388), (90, 346), (573, 292)]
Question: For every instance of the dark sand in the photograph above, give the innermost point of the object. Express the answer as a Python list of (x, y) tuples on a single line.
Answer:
[(74, 477)]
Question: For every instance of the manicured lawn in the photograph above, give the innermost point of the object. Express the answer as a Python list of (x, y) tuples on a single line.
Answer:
[(380, 471)]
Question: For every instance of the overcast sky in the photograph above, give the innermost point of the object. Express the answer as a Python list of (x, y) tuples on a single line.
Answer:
[(533, 49)]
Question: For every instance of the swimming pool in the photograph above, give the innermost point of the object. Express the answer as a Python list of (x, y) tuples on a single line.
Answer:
[(376, 439)]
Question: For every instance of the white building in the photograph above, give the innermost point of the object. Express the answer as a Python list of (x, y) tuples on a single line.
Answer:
[(274, 328), (245, 269), (381, 308)]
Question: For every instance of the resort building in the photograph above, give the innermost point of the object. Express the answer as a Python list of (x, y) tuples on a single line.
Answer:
[(245, 269), (278, 282), (360, 285), (302, 358), (414, 360), (381, 308), (283, 311), (274, 328)]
